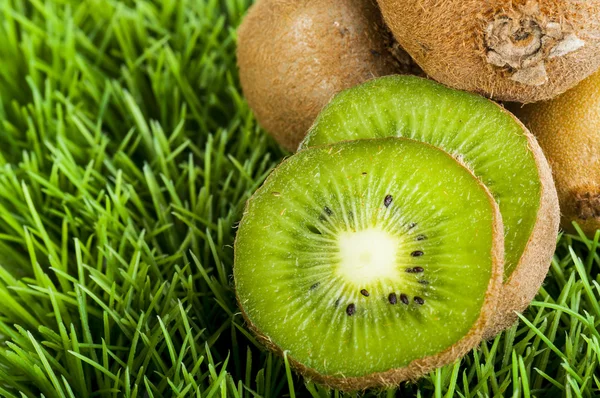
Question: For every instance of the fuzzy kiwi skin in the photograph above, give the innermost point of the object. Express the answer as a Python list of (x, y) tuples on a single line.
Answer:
[(525, 281), (294, 55), (568, 130), (509, 50), (420, 367)]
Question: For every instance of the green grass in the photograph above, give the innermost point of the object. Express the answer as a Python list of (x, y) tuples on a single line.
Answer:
[(126, 155)]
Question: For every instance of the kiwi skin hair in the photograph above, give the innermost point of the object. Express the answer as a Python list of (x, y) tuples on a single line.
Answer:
[(294, 55), (416, 368), (509, 50), (568, 130)]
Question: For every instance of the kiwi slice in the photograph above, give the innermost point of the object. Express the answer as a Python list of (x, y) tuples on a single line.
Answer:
[(369, 262), (483, 135)]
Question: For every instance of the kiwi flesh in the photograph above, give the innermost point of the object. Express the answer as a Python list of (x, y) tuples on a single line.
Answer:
[(509, 50), (369, 262), (294, 55), (487, 139), (568, 130)]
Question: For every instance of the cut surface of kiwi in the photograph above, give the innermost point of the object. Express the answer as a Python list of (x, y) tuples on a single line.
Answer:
[(369, 262), (486, 138)]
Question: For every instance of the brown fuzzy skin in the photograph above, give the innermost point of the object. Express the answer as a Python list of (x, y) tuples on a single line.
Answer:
[(294, 55), (526, 279), (509, 50), (419, 367), (568, 130)]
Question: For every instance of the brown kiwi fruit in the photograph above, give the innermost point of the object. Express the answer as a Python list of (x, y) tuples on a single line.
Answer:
[(568, 130), (509, 50), (294, 55)]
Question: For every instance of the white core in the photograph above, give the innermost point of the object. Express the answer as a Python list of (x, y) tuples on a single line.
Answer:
[(366, 256)]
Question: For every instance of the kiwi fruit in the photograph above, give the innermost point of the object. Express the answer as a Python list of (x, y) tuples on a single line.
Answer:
[(369, 262), (568, 130), (509, 50), (294, 55), (487, 139)]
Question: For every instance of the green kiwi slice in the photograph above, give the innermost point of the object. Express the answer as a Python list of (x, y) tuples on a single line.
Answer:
[(369, 262), (487, 139)]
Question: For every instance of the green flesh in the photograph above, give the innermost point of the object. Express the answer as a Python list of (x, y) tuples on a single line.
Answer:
[(289, 273), (468, 126)]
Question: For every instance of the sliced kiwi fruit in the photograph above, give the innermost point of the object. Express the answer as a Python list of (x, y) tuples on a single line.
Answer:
[(369, 262), (487, 139)]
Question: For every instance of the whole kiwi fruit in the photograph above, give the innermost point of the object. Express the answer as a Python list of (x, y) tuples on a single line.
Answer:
[(509, 50), (294, 55), (369, 262), (568, 130)]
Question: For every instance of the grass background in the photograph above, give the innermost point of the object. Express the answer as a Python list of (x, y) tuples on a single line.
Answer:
[(126, 155)]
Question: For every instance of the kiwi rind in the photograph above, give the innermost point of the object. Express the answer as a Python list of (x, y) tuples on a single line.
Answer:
[(293, 55), (450, 41), (419, 367), (523, 283)]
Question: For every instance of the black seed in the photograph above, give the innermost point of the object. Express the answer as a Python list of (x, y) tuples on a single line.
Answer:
[(364, 173), (327, 211), (388, 200), (419, 300), (417, 270), (412, 225), (364, 292), (350, 309), (424, 282), (417, 253), (337, 303), (313, 229), (392, 298), (316, 285), (421, 237), (404, 298)]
